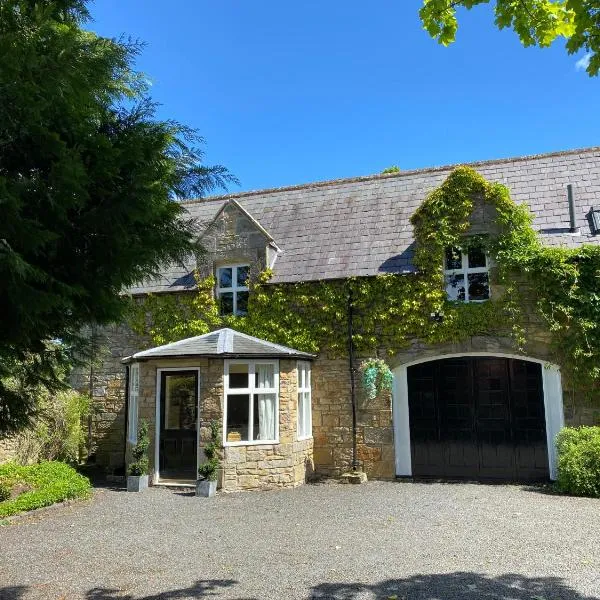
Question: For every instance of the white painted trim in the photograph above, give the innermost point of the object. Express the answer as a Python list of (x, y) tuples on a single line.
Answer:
[(401, 422), (250, 391), (307, 388), (159, 372), (553, 407)]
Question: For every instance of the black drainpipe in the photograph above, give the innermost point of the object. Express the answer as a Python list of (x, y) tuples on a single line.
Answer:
[(352, 374), (572, 221)]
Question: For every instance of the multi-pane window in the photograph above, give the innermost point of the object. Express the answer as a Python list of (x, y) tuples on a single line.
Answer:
[(251, 401), (467, 274), (304, 401), (232, 289), (134, 392)]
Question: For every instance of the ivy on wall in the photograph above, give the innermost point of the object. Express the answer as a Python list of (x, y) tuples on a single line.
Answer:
[(535, 289)]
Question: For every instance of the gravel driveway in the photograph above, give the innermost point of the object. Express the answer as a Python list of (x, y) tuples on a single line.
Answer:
[(380, 540)]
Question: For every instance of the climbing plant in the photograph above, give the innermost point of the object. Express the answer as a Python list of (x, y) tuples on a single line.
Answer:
[(537, 290)]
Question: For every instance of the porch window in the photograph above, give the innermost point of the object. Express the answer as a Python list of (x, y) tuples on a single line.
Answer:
[(467, 275), (251, 402), (232, 289), (304, 401), (132, 414)]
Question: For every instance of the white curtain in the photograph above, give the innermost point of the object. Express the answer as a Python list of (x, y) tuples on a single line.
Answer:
[(266, 402)]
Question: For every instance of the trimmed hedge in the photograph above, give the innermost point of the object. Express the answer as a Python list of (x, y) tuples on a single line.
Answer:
[(579, 461), (50, 482)]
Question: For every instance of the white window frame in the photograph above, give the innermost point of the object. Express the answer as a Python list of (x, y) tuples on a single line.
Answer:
[(304, 389), (235, 288), (132, 409), (465, 271), (251, 390)]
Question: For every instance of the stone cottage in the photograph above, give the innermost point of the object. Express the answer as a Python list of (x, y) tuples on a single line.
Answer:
[(475, 408)]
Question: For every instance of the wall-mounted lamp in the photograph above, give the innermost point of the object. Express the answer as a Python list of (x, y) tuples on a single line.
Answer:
[(437, 316), (595, 217)]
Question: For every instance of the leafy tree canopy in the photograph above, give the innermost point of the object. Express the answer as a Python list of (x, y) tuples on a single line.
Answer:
[(88, 179), (536, 22)]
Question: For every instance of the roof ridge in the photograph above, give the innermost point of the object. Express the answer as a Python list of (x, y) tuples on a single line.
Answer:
[(376, 176)]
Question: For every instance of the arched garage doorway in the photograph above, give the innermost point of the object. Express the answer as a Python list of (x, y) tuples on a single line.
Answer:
[(477, 416)]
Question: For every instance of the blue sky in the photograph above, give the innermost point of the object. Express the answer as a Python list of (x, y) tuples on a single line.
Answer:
[(287, 93)]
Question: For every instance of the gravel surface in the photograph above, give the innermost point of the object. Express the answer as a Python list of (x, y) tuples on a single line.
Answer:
[(379, 540)]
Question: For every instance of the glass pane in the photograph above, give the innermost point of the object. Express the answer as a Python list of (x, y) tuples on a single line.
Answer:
[(307, 419), (242, 303), (476, 258), (238, 376), (226, 303), (225, 277), (264, 376), (453, 259), (180, 402), (242, 276), (301, 376), (264, 417), (455, 287), (238, 407), (479, 286)]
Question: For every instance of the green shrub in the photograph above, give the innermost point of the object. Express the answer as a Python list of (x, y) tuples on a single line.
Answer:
[(57, 433), (579, 461), (48, 483), (139, 453), (208, 469), (4, 492)]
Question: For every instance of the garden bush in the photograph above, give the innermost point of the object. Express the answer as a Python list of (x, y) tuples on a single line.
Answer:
[(579, 461), (44, 484)]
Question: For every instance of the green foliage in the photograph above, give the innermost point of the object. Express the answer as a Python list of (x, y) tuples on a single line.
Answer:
[(392, 169), (57, 432), (4, 492), (45, 483), (376, 377), (88, 179), (579, 461), (140, 464), (535, 289), (536, 22), (208, 469)]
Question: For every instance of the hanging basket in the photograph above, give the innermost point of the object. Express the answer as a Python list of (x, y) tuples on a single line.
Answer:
[(376, 377)]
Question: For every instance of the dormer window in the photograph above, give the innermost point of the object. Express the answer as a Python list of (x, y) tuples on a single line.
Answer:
[(467, 274), (232, 289)]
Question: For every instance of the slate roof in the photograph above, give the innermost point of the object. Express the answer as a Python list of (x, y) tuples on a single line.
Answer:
[(360, 226), (223, 343)]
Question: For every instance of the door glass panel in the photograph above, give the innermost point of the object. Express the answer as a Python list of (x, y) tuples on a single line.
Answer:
[(180, 402), (238, 375), (238, 417)]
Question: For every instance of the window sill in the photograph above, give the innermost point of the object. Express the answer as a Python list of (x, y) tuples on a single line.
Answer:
[(304, 438), (253, 443)]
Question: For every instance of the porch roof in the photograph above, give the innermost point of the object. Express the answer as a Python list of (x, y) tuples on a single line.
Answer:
[(224, 343)]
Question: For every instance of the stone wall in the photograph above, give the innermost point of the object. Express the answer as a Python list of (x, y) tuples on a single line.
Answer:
[(262, 466), (8, 449), (104, 380)]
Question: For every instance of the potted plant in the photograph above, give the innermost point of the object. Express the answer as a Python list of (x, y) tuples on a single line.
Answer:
[(206, 484), (137, 472)]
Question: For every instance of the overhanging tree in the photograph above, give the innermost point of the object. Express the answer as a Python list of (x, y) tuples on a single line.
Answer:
[(88, 182), (536, 22)]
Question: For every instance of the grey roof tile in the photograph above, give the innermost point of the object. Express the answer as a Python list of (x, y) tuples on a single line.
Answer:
[(361, 226)]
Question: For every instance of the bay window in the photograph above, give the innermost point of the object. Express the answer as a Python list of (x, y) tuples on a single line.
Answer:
[(251, 402)]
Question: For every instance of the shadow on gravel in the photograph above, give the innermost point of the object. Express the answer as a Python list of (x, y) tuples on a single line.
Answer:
[(446, 586), (453, 586)]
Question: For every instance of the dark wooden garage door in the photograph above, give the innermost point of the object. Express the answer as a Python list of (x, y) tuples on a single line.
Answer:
[(478, 418)]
